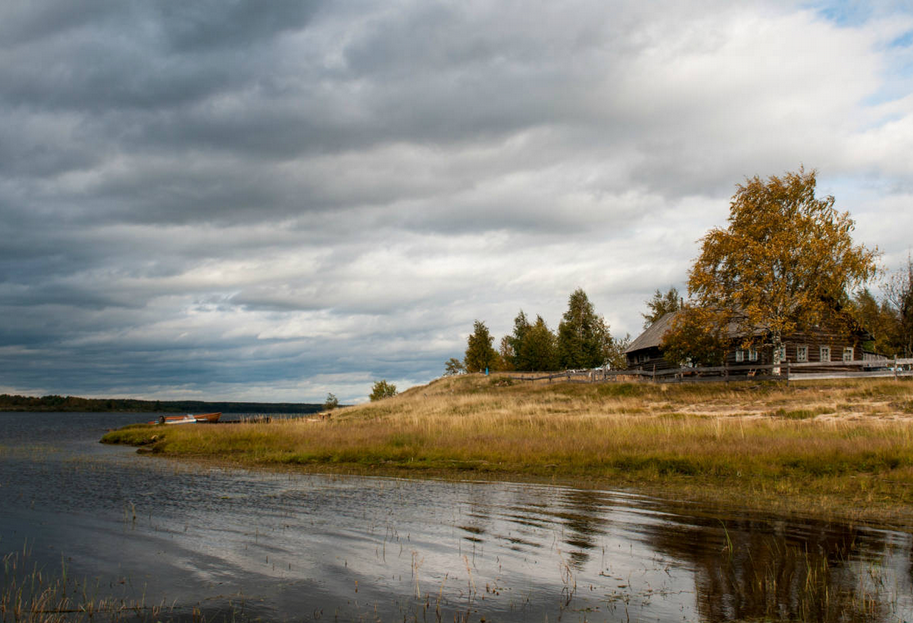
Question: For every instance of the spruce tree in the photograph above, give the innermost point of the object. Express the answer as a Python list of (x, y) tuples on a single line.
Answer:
[(662, 304), (583, 337), (521, 329), (479, 352), (539, 349)]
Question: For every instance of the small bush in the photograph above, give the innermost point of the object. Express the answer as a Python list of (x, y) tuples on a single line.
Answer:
[(381, 390)]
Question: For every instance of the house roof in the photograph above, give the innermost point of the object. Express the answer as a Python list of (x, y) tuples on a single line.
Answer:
[(653, 335)]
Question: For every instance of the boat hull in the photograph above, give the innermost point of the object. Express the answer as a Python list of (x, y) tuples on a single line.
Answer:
[(208, 418), (204, 418)]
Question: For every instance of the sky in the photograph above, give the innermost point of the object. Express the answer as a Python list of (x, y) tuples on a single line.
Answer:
[(273, 201)]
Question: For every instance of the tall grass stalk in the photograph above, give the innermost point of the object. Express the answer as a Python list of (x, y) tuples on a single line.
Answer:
[(30, 594)]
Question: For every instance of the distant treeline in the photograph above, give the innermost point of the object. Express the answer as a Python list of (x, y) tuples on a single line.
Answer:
[(75, 403)]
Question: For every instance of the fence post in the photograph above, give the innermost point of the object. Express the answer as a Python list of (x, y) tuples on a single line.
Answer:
[(654, 372), (895, 367), (787, 373)]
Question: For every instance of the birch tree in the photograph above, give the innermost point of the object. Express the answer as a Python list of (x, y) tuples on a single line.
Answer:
[(785, 262), (900, 298)]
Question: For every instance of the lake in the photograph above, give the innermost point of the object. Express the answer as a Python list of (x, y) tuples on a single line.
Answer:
[(235, 544)]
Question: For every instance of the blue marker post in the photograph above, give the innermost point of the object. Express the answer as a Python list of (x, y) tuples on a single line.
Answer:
[(486, 370)]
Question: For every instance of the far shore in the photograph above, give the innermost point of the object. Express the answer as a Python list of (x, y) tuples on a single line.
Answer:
[(828, 449), (76, 404)]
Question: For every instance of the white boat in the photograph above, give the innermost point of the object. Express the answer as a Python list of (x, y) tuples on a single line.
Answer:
[(205, 418)]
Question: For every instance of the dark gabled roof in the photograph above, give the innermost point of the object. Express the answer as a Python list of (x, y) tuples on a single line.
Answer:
[(652, 337)]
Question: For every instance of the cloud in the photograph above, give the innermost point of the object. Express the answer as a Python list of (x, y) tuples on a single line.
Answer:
[(250, 202)]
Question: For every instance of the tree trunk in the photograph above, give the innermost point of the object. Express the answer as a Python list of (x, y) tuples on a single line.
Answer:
[(778, 342)]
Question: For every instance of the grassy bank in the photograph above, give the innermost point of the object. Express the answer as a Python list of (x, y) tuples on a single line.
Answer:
[(842, 448)]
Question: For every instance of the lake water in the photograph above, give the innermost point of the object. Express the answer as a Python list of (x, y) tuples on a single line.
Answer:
[(235, 544)]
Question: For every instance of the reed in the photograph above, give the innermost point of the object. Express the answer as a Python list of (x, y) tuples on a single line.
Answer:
[(32, 594), (847, 443)]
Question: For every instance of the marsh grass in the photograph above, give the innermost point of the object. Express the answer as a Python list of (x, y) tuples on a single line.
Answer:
[(758, 441), (31, 594)]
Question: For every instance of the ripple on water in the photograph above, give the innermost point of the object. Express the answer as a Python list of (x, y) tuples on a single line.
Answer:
[(293, 546)]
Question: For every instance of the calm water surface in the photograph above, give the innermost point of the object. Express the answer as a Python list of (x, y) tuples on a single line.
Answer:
[(236, 544)]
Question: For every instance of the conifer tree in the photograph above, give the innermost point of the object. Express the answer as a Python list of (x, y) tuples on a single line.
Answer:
[(521, 329), (539, 349), (661, 304), (479, 352), (583, 337)]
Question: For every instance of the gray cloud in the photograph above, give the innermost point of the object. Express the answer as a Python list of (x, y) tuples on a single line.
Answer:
[(275, 201)]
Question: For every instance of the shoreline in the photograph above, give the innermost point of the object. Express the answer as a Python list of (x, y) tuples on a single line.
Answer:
[(846, 454), (734, 499)]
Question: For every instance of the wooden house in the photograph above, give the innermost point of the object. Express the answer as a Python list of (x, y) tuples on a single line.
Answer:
[(645, 352), (823, 346)]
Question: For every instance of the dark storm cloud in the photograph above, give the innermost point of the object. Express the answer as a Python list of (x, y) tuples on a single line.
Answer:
[(216, 25), (135, 54)]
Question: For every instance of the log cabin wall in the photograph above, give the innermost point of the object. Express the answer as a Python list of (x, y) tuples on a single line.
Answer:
[(812, 343), (647, 358)]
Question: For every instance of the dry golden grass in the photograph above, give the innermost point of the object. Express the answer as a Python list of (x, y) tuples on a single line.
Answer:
[(847, 444)]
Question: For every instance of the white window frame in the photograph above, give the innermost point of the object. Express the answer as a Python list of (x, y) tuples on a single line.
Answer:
[(848, 353), (783, 353), (802, 353), (739, 355), (752, 354), (822, 350)]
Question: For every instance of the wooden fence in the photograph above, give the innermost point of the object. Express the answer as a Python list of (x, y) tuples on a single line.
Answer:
[(888, 368)]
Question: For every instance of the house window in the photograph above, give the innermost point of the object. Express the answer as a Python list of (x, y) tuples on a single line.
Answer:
[(848, 353), (782, 356), (825, 353), (752, 354), (739, 356), (802, 353)]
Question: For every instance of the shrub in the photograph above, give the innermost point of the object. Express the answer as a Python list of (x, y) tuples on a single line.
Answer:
[(381, 390)]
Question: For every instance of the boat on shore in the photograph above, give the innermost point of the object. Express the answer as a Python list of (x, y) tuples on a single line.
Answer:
[(203, 418)]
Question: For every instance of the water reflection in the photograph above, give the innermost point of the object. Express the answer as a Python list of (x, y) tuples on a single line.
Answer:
[(749, 569), (299, 547)]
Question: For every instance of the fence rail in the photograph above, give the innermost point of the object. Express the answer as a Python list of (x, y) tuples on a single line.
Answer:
[(787, 371)]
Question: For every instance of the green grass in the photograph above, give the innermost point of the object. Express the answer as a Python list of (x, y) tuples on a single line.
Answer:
[(800, 414)]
